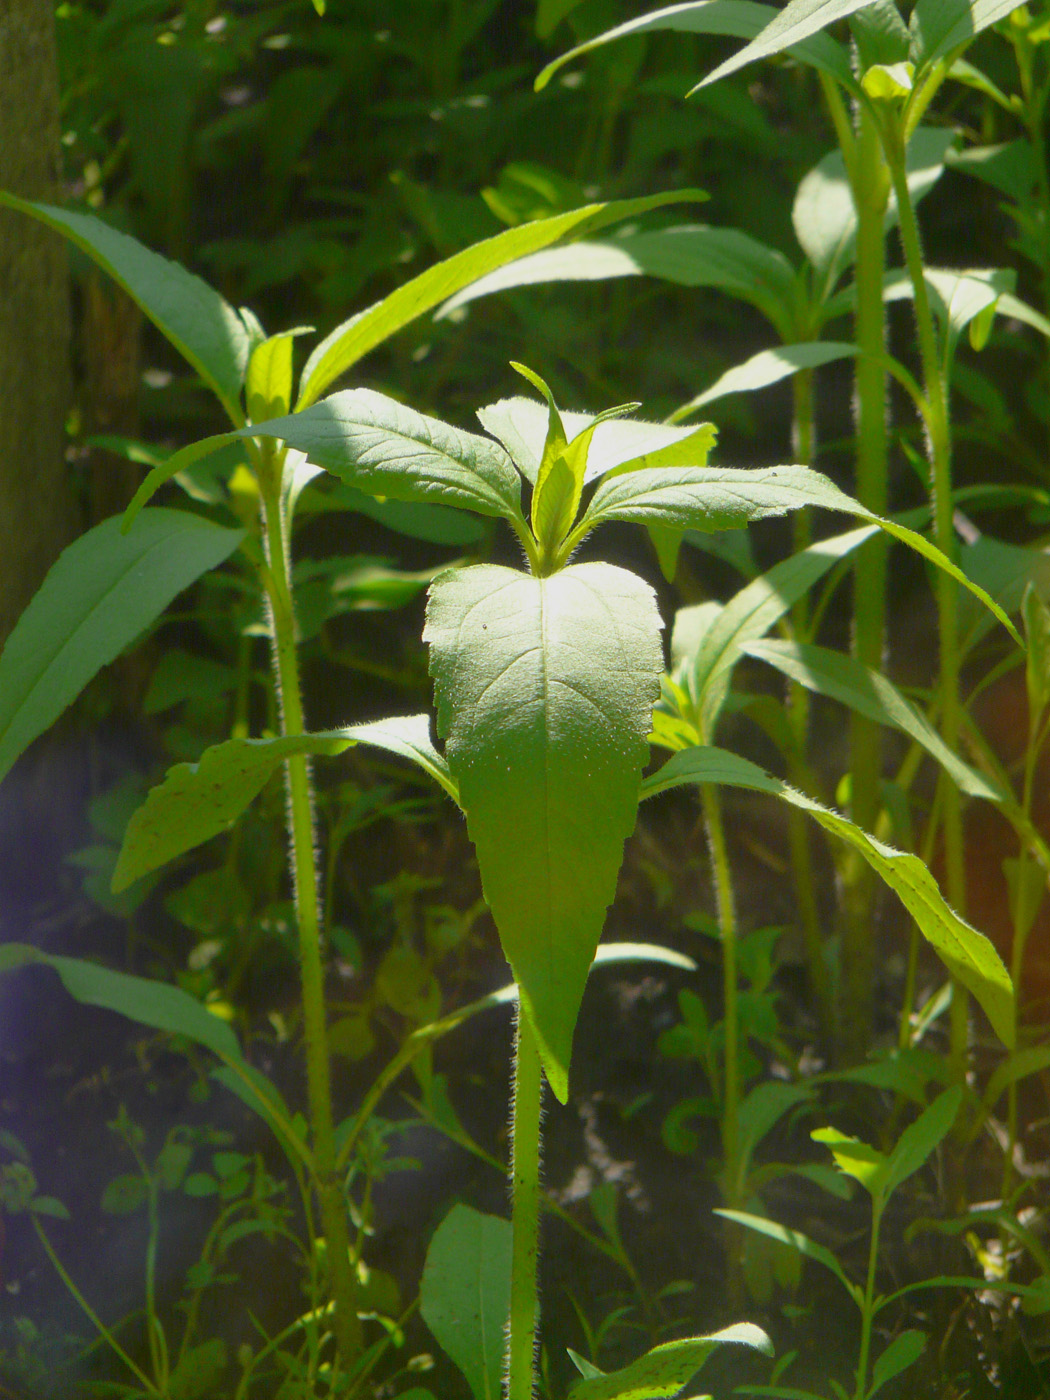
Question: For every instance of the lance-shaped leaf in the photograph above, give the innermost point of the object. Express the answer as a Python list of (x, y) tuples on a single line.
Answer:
[(768, 367), (619, 444), (703, 661), (204, 329), (968, 955), (795, 1239), (545, 689), (799, 21), (197, 801), (726, 498), (363, 332), (666, 1368), (740, 19), (940, 27), (384, 448), (690, 255), (101, 593), (155, 1004), (843, 678), (464, 1296)]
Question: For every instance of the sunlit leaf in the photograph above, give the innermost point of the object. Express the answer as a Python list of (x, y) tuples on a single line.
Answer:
[(204, 329), (99, 596), (666, 1368), (464, 1295), (969, 956), (545, 688)]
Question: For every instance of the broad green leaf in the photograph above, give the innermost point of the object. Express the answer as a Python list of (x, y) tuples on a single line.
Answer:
[(363, 332), (825, 218), (436, 524), (101, 593), (702, 662), (941, 26), (1010, 168), (690, 255), (544, 689), (797, 22), (384, 448), (464, 1296), (618, 445), (843, 678), (902, 1352), (666, 1368), (768, 367), (197, 801), (204, 329), (726, 498), (795, 1239), (155, 1004), (741, 19), (920, 1138), (968, 955), (854, 1158)]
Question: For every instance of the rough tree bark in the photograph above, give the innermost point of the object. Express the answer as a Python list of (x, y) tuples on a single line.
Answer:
[(38, 513)]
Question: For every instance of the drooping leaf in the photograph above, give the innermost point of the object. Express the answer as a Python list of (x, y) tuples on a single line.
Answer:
[(101, 593), (941, 26), (178, 462), (795, 1239), (703, 664), (382, 447), (690, 255), (204, 329), (545, 688), (156, 1004), (768, 367), (741, 19), (363, 332), (464, 1296), (726, 498), (197, 801), (799, 21), (969, 956), (842, 677), (666, 1368)]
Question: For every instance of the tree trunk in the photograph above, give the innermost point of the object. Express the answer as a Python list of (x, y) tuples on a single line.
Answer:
[(38, 514)]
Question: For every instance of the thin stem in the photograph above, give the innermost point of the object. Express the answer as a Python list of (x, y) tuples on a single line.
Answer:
[(727, 927), (939, 447), (870, 186), (867, 1316), (93, 1317), (525, 1213), (341, 1273)]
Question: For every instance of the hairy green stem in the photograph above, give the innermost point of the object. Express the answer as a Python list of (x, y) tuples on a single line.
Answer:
[(870, 186), (525, 1213), (341, 1275), (939, 446), (803, 435), (726, 907)]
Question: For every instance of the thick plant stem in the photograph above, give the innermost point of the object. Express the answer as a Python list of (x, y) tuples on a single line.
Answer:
[(870, 185), (525, 1213), (803, 435), (341, 1275), (939, 445)]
